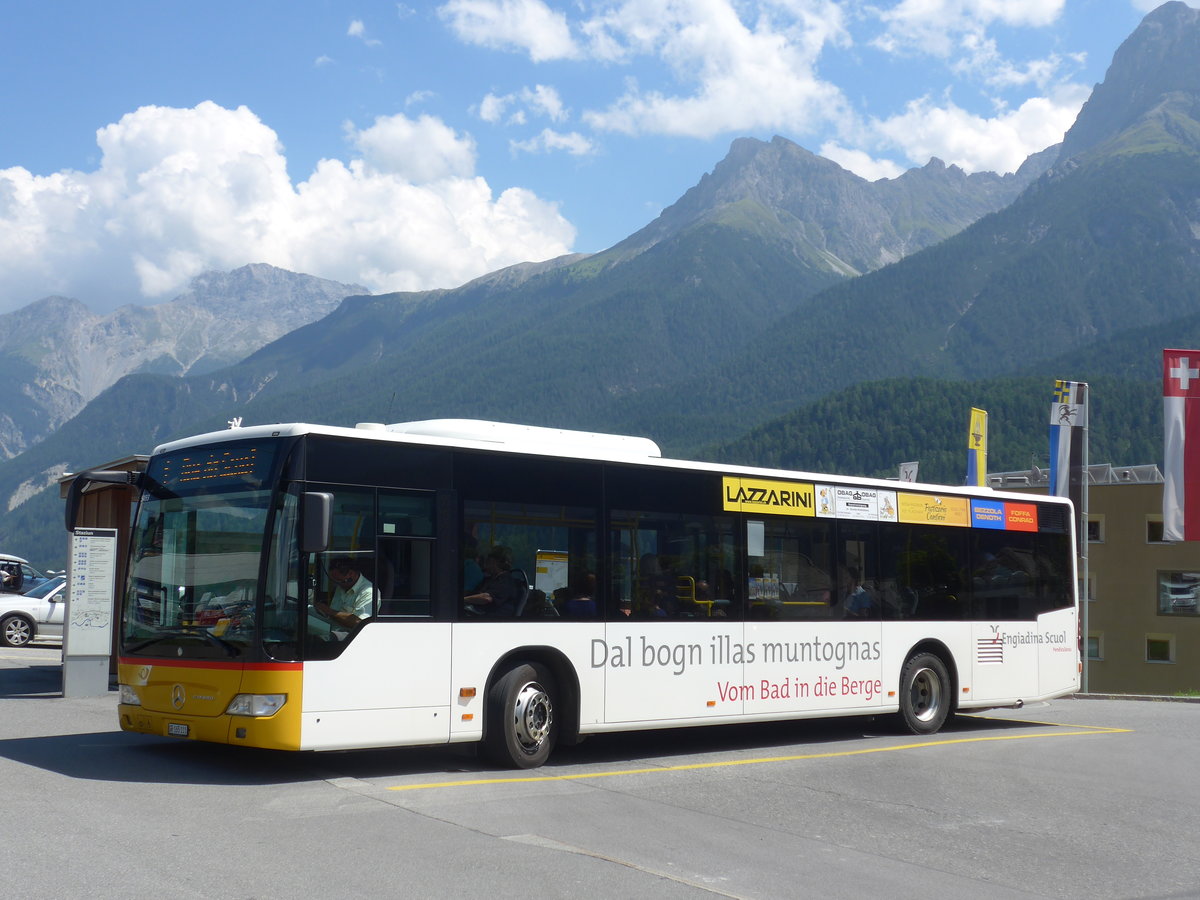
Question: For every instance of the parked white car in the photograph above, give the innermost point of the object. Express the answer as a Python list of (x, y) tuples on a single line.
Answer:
[(40, 613)]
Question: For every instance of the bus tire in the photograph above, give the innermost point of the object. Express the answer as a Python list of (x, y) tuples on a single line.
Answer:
[(16, 631), (925, 694), (520, 730)]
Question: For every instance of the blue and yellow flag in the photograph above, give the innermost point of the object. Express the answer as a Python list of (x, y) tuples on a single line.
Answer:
[(977, 448)]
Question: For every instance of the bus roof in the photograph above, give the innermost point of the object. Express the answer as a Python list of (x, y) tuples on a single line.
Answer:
[(480, 434)]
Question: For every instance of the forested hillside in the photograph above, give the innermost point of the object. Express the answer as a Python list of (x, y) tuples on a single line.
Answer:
[(871, 428)]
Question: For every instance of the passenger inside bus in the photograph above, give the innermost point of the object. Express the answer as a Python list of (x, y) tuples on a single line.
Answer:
[(657, 589), (578, 599), (857, 602), (503, 591)]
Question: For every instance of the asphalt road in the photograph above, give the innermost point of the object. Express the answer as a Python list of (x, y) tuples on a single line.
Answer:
[(1074, 799)]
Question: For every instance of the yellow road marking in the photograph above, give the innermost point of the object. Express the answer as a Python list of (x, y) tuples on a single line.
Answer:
[(1081, 730)]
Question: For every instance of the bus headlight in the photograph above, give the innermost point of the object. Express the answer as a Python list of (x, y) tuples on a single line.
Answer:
[(258, 705), (129, 696)]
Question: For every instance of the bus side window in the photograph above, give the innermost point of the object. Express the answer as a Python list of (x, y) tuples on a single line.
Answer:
[(673, 565), (406, 553), (925, 566), (548, 551), (858, 583), (792, 579), (406, 576)]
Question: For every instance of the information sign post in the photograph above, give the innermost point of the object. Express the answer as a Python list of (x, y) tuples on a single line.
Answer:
[(87, 636)]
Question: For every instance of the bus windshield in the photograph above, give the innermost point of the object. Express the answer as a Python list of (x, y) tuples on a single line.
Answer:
[(195, 575), (197, 545)]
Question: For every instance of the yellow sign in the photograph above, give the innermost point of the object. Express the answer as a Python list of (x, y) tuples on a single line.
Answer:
[(778, 498), (929, 509), (977, 433)]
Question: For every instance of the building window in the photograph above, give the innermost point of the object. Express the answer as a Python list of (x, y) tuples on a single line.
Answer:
[(1090, 594), (1160, 648), (1154, 529), (1095, 646), (1177, 593), (1095, 529)]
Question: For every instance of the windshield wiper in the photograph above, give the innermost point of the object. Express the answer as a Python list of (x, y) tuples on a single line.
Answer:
[(230, 648)]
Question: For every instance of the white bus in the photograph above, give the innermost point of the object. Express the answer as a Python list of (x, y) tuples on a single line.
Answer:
[(525, 587)]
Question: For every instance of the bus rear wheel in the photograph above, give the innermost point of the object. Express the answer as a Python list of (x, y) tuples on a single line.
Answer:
[(925, 696), (520, 729)]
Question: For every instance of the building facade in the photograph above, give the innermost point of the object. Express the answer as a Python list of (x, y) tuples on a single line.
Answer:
[(1142, 616)]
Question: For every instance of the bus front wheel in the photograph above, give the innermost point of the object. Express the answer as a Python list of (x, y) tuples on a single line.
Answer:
[(925, 695), (519, 729)]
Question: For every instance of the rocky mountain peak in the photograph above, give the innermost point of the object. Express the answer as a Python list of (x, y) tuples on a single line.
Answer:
[(839, 221), (56, 355), (1155, 67)]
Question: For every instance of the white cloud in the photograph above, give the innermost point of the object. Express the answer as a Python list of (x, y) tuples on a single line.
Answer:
[(976, 143), (549, 140), (528, 25), (418, 150), (981, 59), (743, 76), (491, 107), (711, 67), (861, 163), (934, 27), (358, 30), (545, 100), (418, 97), (539, 100), (182, 191)]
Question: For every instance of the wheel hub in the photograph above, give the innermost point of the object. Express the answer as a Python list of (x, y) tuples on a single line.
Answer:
[(16, 632), (926, 694), (532, 715)]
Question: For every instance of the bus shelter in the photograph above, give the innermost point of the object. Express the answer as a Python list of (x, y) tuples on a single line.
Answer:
[(108, 508)]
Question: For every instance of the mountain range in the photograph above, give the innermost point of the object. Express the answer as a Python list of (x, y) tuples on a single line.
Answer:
[(56, 355), (781, 308)]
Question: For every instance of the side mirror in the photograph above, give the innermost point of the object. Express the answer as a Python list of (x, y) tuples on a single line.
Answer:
[(84, 480), (316, 524)]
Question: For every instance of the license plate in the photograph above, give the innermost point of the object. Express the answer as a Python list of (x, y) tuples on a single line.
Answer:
[(177, 730)]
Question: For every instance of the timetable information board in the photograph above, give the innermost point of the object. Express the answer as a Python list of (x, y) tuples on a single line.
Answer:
[(92, 575)]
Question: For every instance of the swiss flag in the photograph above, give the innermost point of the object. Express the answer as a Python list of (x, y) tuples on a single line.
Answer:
[(1181, 432)]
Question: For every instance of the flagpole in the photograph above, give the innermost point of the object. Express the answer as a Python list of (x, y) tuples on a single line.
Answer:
[(1083, 543), (1069, 476)]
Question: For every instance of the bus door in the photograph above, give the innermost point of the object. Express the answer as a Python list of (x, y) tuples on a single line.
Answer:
[(367, 675)]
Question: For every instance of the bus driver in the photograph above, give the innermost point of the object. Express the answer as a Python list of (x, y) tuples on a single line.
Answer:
[(352, 597)]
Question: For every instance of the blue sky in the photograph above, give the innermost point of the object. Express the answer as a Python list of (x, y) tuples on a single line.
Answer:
[(406, 145)]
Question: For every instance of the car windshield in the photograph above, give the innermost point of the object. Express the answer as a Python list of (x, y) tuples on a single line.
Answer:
[(49, 587), (194, 575)]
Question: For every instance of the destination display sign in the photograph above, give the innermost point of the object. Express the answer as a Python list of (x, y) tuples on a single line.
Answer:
[(214, 468)]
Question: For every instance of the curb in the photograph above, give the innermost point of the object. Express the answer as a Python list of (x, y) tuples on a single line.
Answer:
[(1159, 698)]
